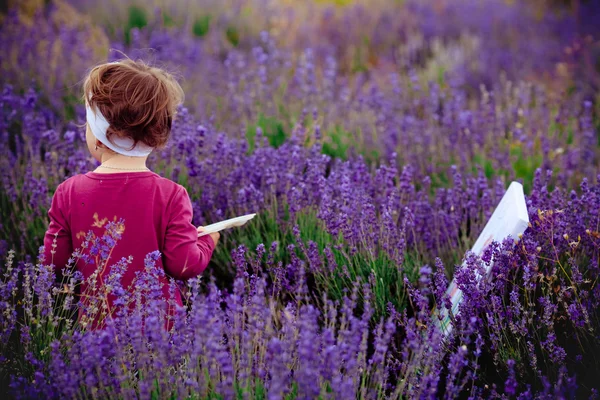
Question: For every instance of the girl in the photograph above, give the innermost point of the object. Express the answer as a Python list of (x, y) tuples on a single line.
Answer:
[(130, 108)]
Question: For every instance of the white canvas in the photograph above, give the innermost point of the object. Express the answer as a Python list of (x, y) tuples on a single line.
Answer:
[(510, 218)]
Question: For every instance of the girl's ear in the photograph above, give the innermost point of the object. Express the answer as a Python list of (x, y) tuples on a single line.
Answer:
[(99, 145)]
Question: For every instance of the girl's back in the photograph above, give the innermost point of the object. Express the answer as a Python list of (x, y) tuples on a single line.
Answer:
[(123, 209)]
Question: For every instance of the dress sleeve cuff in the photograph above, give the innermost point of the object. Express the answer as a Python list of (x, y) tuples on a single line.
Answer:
[(209, 240)]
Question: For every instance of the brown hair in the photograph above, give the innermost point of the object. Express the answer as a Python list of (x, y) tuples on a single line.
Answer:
[(138, 101)]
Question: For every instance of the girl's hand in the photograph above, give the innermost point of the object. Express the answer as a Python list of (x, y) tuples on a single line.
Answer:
[(215, 236)]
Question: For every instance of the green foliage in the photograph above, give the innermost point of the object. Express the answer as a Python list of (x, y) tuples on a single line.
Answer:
[(479, 160), (386, 278), (524, 166), (259, 390), (137, 19), (441, 76), (294, 392), (21, 224), (264, 228), (201, 25), (358, 63), (70, 101), (335, 143), (273, 129), (233, 35)]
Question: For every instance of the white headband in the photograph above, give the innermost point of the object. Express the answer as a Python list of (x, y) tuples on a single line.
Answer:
[(99, 125)]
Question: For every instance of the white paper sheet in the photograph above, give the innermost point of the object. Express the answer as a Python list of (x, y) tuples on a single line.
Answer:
[(229, 223)]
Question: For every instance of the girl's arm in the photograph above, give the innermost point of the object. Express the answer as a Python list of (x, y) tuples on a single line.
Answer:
[(185, 255), (58, 246)]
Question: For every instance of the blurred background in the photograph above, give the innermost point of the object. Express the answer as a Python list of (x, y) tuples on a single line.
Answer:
[(213, 44), (494, 88)]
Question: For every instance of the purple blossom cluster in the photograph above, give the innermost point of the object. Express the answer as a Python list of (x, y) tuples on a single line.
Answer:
[(224, 344), (376, 228), (533, 322), (373, 157), (464, 43)]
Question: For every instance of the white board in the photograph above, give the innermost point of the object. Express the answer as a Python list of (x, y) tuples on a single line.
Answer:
[(510, 218)]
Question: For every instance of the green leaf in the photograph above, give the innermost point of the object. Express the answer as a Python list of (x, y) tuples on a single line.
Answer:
[(233, 35), (137, 19), (201, 25), (335, 143), (273, 129)]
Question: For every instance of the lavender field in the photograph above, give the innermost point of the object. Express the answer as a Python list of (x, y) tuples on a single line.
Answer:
[(374, 139)]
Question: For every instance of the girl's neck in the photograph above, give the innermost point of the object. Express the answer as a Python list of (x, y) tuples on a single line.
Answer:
[(115, 163)]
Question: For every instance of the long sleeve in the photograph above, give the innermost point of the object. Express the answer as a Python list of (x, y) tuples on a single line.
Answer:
[(58, 231), (185, 255)]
